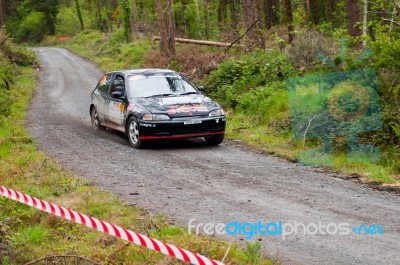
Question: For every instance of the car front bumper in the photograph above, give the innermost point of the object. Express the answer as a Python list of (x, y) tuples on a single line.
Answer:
[(180, 128)]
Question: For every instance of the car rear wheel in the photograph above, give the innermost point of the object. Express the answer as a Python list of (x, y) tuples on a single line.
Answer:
[(95, 119), (133, 133), (215, 139)]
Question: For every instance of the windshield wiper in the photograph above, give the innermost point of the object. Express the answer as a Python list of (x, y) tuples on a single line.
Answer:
[(160, 95), (188, 93)]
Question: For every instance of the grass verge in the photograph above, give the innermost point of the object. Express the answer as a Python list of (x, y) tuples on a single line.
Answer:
[(383, 175)]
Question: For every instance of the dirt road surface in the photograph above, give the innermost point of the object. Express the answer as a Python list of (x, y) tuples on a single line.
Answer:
[(187, 179)]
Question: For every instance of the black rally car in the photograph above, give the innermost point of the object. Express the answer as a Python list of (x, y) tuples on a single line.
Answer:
[(153, 104)]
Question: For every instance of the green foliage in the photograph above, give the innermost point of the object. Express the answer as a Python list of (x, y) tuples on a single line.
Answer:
[(256, 98), (67, 21), (234, 77), (6, 100), (30, 20), (110, 51), (265, 103), (125, 15), (79, 13), (190, 19), (386, 51), (32, 28), (115, 39), (35, 235), (10, 53), (252, 251)]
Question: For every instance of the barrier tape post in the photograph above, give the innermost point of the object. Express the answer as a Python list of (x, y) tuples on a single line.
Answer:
[(107, 228)]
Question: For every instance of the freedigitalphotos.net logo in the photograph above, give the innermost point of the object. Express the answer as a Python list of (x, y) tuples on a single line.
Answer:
[(280, 228), (341, 103)]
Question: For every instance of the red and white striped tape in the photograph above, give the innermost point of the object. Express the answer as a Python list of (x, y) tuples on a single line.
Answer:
[(114, 230)]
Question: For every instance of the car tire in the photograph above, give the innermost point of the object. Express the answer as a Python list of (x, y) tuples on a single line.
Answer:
[(215, 139), (132, 132), (95, 119)]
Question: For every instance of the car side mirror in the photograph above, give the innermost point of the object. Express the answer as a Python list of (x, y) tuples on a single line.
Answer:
[(117, 95), (201, 88)]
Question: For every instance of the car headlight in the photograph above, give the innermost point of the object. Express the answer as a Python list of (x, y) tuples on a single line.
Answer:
[(156, 117), (217, 112)]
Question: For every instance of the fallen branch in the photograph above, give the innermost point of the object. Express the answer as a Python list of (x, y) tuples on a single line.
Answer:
[(240, 37), (199, 42)]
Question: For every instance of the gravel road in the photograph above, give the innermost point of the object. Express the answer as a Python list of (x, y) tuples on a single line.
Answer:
[(187, 179)]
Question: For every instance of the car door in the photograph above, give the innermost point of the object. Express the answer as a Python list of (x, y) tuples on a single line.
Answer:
[(117, 105), (102, 97)]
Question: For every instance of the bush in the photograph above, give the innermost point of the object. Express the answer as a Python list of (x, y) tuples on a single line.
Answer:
[(5, 103), (306, 46), (10, 53), (386, 51), (16, 54), (67, 21), (236, 77), (32, 28)]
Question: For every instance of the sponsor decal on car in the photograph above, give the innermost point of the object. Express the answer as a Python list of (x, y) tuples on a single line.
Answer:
[(121, 107), (138, 77), (187, 109), (103, 80), (179, 101), (147, 125)]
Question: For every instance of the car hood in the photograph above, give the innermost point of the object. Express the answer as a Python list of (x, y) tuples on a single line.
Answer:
[(178, 106)]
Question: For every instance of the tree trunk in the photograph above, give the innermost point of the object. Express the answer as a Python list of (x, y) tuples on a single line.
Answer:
[(329, 7), (248, 17), (125, 19), (170, 27), (306, 7), (1, 14), (269, 13), (365, 22), (289, 13), (314, 12), (79, 13), (133, 16), (322, 9), (222, 13), (276, 9), (198, 20), (206, 19), (251, 13), (100, 21), (234, 16), (163, 29), (353, 17)]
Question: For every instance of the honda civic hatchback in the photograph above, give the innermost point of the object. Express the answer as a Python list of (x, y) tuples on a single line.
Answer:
[(155, 104)]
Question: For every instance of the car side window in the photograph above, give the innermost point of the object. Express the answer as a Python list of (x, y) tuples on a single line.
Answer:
[(104, 83), (118, 84)]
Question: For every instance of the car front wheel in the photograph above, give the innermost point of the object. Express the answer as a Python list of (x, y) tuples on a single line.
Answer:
[(133, 133), (215, 139)]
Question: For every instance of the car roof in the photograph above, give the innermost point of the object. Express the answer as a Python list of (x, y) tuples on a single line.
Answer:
[(142, 71)]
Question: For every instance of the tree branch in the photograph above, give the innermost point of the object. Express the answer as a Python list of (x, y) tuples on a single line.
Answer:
[(391, 21), (238, 39)]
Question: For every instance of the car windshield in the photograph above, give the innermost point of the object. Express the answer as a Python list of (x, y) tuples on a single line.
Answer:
[(159, 84)]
